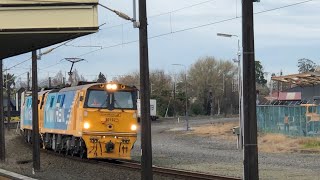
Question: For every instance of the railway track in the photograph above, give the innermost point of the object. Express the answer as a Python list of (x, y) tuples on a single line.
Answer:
[(132, 165), (177, 172)]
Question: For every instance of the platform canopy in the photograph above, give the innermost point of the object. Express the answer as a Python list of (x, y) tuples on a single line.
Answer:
[(27, 25), (303, 79)]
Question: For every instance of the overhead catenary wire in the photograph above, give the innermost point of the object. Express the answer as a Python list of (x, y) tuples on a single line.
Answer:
[(48, 51), (156, 15), (195, 27), (159, 35), (164, 13)]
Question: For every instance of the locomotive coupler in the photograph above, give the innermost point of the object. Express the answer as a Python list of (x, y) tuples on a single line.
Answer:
[(109, 147)]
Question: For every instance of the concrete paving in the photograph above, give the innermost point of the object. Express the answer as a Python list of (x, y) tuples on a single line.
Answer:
[(6, 175)]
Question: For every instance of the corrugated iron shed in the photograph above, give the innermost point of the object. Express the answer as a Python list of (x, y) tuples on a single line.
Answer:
[(303, 79)]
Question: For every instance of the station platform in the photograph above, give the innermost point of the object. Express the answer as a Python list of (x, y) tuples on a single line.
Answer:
[(8, 175)]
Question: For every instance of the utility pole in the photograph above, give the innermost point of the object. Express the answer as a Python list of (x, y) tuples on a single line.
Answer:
[(8, 101), (2, 134), (249, 94), (146, 147), (28, 81), (49, 82), (35, 120), (174, 98), (186, 95)]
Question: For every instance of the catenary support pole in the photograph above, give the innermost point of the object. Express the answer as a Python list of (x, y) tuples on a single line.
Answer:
[(186, 84), (49, 82), (8, 101), (35, 120), (2, 134), (28, 81), (249, 94), (146, 147)]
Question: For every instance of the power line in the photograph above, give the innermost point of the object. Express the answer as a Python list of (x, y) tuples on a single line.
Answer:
[(194, 27), (282, 7), (183, 8), (164, 13), (163, 34), (186, 7), (156, 15), (19, 64), (49, 51)]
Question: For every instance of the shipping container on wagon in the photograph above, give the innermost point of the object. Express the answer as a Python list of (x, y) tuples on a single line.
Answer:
[(153, 109)]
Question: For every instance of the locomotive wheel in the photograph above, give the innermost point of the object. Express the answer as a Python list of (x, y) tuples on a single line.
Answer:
[(83, 153), (67, 152), (73, 153)]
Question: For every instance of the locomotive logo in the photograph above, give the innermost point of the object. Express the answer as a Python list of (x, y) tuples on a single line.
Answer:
[(112, 114)]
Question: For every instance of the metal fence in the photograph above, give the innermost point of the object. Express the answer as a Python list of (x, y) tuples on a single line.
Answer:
[(271, 118)]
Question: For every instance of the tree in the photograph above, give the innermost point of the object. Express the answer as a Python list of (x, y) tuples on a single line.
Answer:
[(215, 76), (9, 80), (20, 83), (259, 73), (58, 79), (101, 78), (306, 65), (160, 87), (75, 78), (129, 79)]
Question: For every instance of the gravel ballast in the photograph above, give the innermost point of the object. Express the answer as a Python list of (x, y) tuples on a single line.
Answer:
[(215, 155), (172, 147), (54, 167)]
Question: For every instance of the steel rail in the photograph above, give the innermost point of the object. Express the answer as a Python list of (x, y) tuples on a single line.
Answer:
[(172, 172), (135, 165)]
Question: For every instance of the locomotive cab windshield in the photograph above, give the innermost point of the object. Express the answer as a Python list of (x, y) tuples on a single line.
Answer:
[(110, 100)]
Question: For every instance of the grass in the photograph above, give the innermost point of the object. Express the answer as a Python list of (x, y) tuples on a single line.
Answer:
[(312, 143), (223, 130), (267, 142)]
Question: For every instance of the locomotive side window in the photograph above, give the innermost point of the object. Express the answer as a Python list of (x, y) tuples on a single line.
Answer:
[(51, 101), (62, 100), (29, 103), (59, 97), (97, 99)]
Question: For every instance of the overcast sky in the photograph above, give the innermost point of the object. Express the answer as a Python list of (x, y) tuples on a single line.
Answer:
[(282, 37)]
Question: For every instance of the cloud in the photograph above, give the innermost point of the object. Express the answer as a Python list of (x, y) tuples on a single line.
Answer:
[(281, 36)]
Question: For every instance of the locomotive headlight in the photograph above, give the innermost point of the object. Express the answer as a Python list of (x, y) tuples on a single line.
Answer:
[(112, 87), (133, 127), (86, 125)]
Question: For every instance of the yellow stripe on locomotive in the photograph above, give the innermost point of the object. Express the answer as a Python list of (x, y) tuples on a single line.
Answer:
[(93, 120)]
